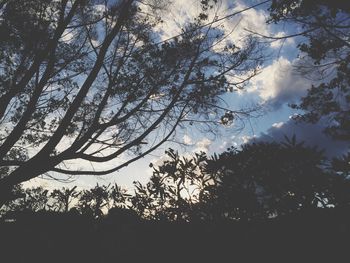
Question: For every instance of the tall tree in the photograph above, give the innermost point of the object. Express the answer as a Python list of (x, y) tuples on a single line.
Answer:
[(89, 81)]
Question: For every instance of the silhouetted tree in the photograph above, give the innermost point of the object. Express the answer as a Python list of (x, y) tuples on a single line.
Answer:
[(259, 181), (235, 195), (119, 196), (175, 188), (342, 165), (325, 26), (88, 80), (92, 202), (267, 179), (35, 199), (62, 198), (27, 203)]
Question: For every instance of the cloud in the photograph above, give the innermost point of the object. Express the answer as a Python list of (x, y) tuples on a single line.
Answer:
[(187, 139), (279, 84), (227, 143), (179, 12), (282, 42), (237, 27), (252, 19), (311, 134), (203, 145), (159, 160), (175, 15)]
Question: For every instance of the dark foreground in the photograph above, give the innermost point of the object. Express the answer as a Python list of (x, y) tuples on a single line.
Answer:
[(320, 235)]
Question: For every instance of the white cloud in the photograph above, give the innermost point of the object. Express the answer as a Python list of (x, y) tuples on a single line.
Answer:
[(227, 144), (237, 27), (278, 83), (278, 124), (282, 42), (159, 161), (179, 12), (203, 145), (252, 19), (67, 36), (247, 139), (187, 139), (175, 15)]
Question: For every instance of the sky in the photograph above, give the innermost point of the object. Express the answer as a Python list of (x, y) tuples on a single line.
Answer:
[(277, 86)]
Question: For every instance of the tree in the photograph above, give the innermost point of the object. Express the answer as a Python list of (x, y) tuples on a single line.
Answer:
[(176, 189), (119, 196), (253, 183), (256, 182), (28, 201), (63, 198), (325, 27), (90, 81), (92, 202), (265, 179)]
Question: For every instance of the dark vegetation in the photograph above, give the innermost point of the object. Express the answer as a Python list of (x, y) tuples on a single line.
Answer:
[(111, 91), (325, 57), (96, 74), (265, 200)]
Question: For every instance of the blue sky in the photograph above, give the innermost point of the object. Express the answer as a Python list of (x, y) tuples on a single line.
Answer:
[(277, 85)]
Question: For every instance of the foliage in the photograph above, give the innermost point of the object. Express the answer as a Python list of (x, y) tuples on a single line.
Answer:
[(27, 200), (63, 197), (325, 26), (264, 179), (91, 202), (257, 182), (93, 74), (175, 188)]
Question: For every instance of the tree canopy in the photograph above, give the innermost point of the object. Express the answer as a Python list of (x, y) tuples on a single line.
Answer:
[(92, 80), (325, 52), (258, 182)]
